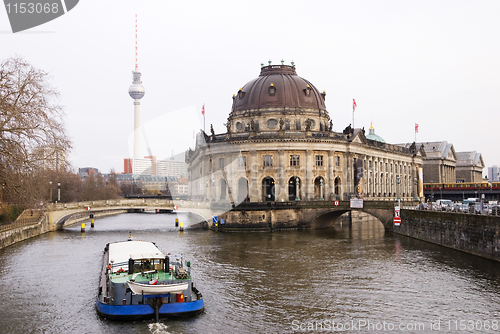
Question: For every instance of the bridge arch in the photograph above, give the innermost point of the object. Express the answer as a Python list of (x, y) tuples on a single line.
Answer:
[(327, 217)]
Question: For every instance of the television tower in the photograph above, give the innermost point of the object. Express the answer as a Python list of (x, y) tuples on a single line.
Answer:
[(136, 91)]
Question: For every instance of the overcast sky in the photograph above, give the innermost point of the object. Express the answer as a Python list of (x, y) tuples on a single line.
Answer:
[(435, 63)]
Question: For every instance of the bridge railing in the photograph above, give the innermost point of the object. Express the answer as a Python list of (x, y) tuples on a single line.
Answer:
[(487, 210), (27, 218), (108, 203), (312, 204)]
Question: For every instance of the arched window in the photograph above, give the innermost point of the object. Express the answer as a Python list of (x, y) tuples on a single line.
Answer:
[(268, 189)]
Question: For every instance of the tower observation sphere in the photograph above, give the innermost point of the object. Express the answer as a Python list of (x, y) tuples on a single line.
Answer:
[(136, 90)]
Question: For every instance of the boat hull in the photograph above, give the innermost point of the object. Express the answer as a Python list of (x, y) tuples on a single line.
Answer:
[(145, 311)]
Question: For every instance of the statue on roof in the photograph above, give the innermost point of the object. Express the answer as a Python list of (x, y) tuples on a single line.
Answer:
[(413, 147), (308, 124)]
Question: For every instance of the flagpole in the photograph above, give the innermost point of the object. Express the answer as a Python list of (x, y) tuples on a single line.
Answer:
[(354, 105)]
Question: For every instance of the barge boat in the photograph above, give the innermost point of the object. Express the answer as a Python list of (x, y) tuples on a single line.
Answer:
[(138, 281)]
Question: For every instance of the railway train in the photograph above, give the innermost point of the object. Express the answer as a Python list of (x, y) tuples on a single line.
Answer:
[(461, 186), (459, 191)]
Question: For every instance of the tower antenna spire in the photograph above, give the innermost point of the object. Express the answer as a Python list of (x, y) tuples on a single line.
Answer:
[(136, 91), (136, 65)]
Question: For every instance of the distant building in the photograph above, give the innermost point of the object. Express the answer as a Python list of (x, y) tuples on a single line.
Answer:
[(440, 162), (494, 173), (87, 171), (172, 168), (128, 166), (470, 167), (150, 184), (182, 187), (141, 166), (151, 166), (52, 158)]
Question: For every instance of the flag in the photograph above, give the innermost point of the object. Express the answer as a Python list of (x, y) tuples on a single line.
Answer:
[(203, 110), (416, 128), (354, 105)]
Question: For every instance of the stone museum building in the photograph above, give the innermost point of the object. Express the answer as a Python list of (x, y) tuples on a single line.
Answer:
[(279, 145)]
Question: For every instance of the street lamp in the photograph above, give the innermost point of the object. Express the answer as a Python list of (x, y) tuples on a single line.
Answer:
[(50, 191), (415, 198), (58, 192), (214, 193), (432, 194), (398, 181), (321, 190), (297, 198)]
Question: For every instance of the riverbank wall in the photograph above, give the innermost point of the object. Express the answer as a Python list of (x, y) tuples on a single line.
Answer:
[(475, 234), (27, 226)]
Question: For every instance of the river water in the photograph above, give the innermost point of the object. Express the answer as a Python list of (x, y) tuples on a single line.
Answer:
[(349, 278)]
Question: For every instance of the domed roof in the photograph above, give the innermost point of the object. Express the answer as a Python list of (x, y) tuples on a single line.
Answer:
[(279, 86), (373, 136)]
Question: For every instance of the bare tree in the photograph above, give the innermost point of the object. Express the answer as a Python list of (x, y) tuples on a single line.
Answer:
[(32, 135), (94, 188)]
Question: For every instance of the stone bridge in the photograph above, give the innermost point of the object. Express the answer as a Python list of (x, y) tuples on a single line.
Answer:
[(247, 216), (67, 214), (318, 214)]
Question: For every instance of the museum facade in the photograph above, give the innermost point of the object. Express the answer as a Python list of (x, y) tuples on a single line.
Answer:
[(280, 146)]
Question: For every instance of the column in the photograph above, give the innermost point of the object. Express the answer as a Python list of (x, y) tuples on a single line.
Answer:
[(346, 177), (309, 176), (282, 179), (254, 188), (330, 178)]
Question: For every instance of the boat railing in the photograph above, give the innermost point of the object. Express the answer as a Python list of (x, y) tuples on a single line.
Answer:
[(118, 265)]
